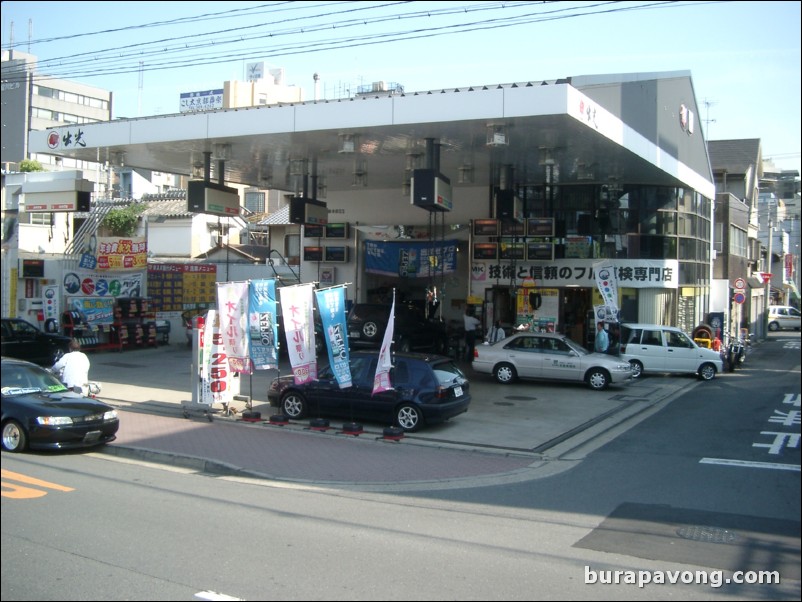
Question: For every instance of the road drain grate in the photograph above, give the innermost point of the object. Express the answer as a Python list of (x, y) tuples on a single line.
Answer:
[(707, 534)]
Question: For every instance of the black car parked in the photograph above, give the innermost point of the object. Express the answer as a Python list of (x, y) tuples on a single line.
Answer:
[(412, 330), (427, 389), (23, 340), (40, 413)]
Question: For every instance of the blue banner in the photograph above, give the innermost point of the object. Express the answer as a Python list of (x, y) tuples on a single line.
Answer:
[(98, 311), (263, 327), (411, 259), (331, 305)]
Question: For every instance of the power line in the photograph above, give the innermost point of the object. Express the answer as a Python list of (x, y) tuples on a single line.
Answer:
[(195, 47)]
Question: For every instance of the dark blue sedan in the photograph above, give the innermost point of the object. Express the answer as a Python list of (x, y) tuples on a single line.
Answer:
[(426, 389)]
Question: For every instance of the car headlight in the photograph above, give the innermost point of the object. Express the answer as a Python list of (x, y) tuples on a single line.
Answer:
[(625, 367), (54, 420), (110, 415)]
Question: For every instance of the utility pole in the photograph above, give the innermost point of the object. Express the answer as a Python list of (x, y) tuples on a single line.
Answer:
[(141, 87), (768, 282)]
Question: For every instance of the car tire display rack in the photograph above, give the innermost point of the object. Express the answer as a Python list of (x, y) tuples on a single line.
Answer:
[(129, 328)]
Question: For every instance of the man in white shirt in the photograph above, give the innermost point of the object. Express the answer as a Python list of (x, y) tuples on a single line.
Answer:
[(496, 333), (472, 324), (73, 368)]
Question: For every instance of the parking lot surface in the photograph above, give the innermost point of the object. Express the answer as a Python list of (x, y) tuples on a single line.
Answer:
[(510, 432)]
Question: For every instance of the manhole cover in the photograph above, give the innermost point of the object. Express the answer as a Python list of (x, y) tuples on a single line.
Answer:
[(707, 534), (521, 398)]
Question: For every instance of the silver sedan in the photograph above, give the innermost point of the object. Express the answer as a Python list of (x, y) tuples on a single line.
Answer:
[(548, 356)]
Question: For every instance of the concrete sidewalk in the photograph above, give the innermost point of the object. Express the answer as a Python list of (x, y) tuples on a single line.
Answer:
[(510, 432)]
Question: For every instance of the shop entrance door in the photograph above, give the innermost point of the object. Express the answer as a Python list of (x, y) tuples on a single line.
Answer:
[(499, 305), (576, 302)]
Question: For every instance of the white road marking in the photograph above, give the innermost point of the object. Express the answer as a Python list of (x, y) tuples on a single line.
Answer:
[(207, 595), (746, 464)]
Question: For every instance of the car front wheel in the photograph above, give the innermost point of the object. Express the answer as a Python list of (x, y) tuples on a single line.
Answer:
[(14, 437), (637, 368), (294, 405), (408, 417), (707, 372), (505, 374), (774, 326), (598, 379)]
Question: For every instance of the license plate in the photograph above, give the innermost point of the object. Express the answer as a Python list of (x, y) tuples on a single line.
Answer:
[(92, 436), (457, 391)]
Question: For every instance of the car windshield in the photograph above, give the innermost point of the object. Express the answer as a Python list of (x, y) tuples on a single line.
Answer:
[(19, 379), (576, 347)]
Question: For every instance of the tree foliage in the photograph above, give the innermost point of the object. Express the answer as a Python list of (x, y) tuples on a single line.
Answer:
[(28, 165), (123, 221)]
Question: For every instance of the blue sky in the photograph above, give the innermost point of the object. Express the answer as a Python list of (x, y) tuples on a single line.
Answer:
[(744, 57)]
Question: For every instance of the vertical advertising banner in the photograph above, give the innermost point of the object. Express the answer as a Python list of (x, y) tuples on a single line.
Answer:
[(50, 302), (263, 329), (217, 381), (608, 286), (232, 307), (331, 305), (381, 382), (297, 306)]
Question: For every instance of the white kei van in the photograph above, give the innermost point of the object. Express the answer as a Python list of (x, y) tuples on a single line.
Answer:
[(654, 348), (784, 317)]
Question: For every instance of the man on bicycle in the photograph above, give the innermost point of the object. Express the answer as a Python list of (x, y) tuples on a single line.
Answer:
[(73, 368)]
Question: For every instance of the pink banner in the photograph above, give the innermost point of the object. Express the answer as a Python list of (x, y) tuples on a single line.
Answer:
[(232, 306), (297, 305)]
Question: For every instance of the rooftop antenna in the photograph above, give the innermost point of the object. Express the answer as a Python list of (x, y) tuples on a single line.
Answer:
[(708, 104)]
